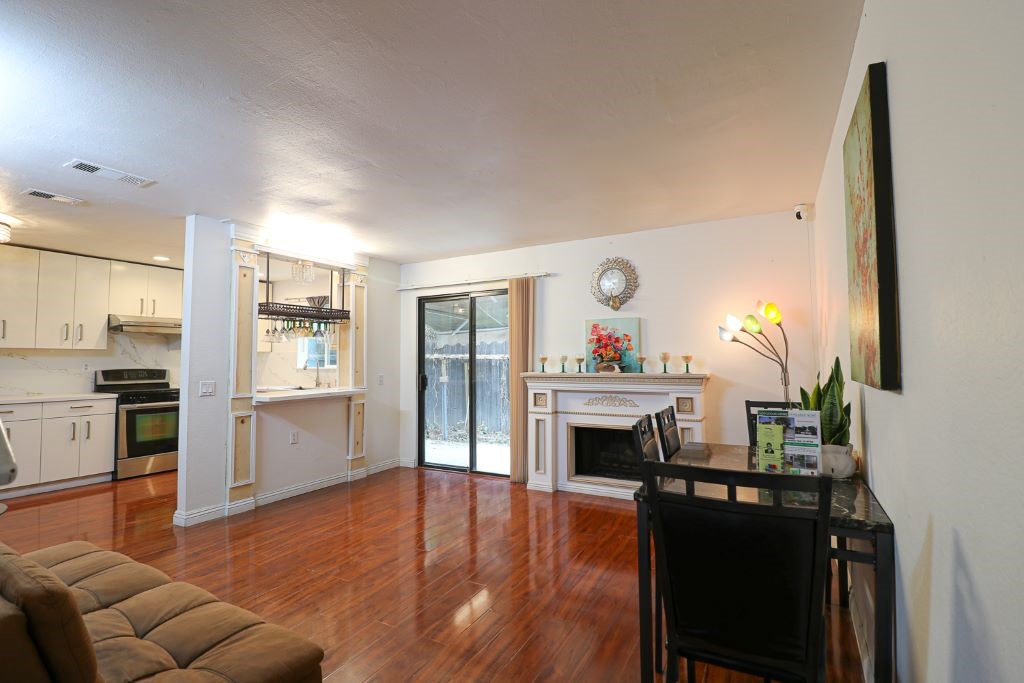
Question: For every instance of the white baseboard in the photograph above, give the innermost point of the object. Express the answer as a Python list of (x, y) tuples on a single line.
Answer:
[(54, 486), (381, 466), (357, 474), (238, 506), (199, 515), (299, 489), (597, 490), (407, 462), (540, 486)]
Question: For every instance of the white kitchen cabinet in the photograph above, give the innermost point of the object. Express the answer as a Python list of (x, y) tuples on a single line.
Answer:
[(55, 318), (92, 290), (60, 447), (96, 454), (19, 279), (25, 443), (129, 288), (165, 289), (72, 302)]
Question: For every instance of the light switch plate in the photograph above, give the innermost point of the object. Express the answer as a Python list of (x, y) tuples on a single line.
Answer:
[(380, 380), (293, 437), (207, 388)]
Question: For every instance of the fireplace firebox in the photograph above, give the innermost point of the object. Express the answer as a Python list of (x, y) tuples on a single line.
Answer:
[(605, 452)]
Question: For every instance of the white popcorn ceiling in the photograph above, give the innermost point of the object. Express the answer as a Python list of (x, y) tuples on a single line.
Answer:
[(419, 129)]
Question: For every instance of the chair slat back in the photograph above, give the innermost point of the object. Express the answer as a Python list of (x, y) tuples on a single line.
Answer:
[(669, 430)]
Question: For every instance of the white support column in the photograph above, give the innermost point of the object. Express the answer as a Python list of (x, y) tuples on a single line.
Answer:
[(203, 454)]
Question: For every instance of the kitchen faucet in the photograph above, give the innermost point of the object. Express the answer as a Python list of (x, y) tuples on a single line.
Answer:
[(317, 365)]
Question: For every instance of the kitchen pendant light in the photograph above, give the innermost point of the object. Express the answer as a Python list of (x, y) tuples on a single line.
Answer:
[(5, 233), (302, 272)]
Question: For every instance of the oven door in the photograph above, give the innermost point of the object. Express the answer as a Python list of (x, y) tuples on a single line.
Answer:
[(147, 429)]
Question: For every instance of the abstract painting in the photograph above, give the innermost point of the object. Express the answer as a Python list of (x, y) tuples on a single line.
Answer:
[(871, 238), (615, 341)]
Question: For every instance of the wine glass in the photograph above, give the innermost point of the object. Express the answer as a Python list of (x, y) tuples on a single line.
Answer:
[(664, 357), (579, 362), (641, 359), (543, 360), (562, 359)]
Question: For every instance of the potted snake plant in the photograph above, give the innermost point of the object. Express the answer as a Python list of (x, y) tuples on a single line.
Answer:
[(836, 450)]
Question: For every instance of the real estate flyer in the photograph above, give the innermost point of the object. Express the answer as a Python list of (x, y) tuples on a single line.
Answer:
[(801, 440), (771, 426)]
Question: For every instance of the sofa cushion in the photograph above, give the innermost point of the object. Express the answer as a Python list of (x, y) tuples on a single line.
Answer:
[(54, 621), (97, 578)]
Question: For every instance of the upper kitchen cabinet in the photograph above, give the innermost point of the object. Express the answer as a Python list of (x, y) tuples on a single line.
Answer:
[(146, 291), (19, 280), (165, 287), (72, 302)]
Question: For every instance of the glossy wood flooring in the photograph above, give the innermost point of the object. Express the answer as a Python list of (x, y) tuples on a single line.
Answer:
[(407, 575)]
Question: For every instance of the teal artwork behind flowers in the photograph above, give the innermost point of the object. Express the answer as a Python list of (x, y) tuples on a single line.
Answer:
[(614, 341)]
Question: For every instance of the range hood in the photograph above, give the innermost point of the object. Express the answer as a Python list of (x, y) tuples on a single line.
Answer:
[(141, 325)]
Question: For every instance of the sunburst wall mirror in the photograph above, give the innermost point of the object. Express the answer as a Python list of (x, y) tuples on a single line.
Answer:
[(614, 282)]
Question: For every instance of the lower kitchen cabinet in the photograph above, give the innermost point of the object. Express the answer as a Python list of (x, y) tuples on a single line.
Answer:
[(60, 447), (96, 455), (63, 444), (25, 443)]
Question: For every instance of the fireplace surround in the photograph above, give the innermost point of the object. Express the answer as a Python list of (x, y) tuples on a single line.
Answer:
[(565, 407)]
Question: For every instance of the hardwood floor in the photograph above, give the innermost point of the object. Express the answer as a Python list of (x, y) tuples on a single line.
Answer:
[(407, 575)]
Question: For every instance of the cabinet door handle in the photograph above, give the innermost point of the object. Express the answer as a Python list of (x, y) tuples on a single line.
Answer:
[(6, 412), (4, 335), (142, 306), (154, 307), (81, 407), (88, 429), (8, 430), (81, 331), (67, 331), (74, 431)]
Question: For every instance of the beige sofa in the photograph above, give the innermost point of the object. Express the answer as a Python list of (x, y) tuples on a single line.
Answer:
[(76, 613)]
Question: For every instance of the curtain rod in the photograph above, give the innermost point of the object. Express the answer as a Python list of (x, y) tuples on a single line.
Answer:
[(406, 288)]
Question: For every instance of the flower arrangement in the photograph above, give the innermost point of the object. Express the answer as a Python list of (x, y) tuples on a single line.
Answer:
[(608, 345)]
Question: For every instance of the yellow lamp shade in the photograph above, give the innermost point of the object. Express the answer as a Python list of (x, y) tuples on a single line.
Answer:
[(733, 323), (772, 313), (751, 325), (724, 334)]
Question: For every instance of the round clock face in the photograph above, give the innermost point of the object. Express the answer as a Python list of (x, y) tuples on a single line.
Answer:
[(613, 282)]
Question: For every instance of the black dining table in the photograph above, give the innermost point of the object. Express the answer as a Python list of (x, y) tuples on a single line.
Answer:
[(856, 514)]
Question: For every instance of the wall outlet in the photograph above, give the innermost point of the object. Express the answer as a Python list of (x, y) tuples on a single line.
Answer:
[(380, 380), (207, 388), (293, 437), (85, 367)]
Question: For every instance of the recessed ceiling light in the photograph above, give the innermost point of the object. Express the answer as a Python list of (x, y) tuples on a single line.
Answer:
[(161, 258)]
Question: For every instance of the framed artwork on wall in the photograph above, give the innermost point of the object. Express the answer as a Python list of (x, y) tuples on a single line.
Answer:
[(871, 238), (613, 344)]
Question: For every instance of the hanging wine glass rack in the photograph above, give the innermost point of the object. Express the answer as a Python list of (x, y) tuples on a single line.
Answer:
[(272, 310)]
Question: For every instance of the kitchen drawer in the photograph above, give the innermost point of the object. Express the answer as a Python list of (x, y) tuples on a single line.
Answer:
[(17, 412), (86, 406)]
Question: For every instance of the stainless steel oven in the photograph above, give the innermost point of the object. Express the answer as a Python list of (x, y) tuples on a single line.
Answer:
[(147, 420)]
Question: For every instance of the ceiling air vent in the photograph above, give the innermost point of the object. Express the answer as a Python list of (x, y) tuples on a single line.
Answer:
[(107, 172), (53, 196)]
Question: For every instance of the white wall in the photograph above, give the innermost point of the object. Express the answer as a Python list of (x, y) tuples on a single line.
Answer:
[(383, 331), (690, 277), (52, 371), (320, 456), (950, 480), (206, 355)]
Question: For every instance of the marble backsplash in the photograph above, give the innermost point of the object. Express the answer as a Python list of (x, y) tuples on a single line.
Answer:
[(277, 368), (46, 371)]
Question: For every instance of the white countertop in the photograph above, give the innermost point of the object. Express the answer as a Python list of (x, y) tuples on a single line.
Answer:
[(46, 398), (305, 394)]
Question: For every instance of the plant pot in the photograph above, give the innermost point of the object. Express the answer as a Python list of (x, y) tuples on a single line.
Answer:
[(607, 367), (837, 461)]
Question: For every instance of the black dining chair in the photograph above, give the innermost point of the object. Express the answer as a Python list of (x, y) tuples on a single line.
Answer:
[(753, 407), (669, 430), (743, 581), (645, 443)]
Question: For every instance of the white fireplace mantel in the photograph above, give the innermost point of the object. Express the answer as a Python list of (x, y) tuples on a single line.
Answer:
[(559, 402)]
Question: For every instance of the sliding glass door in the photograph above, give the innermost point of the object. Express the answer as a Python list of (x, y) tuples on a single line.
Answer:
[(464, 382)]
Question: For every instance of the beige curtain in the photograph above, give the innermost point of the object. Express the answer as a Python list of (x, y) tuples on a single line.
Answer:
[(520, 352)]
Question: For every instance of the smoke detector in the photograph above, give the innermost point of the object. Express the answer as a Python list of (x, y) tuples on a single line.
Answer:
[(107, 172), (53, 196)]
